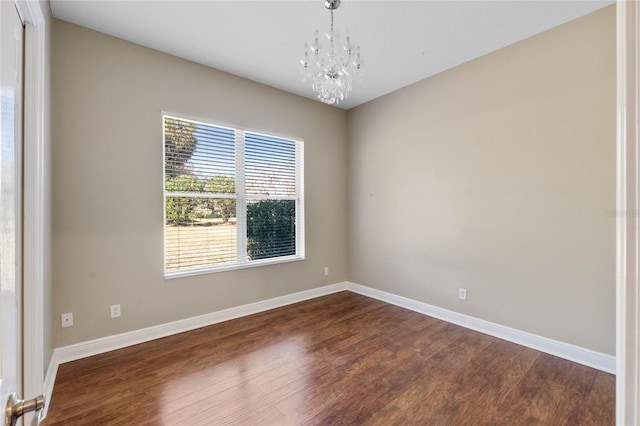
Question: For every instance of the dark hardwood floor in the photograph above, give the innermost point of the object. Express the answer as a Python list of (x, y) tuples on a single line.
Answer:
[(338, 359)]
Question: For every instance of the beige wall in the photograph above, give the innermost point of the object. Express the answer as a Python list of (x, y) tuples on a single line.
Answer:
[(495, 176), (108, 96)]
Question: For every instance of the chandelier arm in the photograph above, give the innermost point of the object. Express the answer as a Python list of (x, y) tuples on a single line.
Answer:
[(347, 64), (318, 61)]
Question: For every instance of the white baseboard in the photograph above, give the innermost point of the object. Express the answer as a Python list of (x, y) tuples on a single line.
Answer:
[(118, 341), (567, 351)]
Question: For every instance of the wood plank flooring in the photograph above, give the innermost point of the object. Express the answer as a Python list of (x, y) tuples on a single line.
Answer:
[(338, 359)]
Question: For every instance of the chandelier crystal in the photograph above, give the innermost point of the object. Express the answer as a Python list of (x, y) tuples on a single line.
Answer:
[(332, 68)]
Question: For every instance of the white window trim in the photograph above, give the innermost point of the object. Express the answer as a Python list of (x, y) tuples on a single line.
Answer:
[(241, 198), (241, 202), (237, 266)]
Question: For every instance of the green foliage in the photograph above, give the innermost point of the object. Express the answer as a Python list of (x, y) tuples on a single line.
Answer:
[(179, 144), (225, 207), (181, 210), (271, 229)]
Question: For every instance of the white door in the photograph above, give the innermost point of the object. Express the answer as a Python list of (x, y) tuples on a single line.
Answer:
[(11, 34), (11, 126)]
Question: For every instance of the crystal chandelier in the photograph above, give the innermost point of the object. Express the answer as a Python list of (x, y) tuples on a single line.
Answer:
[(331, 69)]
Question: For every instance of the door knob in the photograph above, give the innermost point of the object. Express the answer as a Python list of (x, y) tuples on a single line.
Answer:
[(18, 407)]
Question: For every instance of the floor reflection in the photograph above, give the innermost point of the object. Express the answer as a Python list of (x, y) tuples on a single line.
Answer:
[(246, 389)]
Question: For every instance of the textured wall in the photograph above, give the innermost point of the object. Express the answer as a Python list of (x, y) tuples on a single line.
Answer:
[(497, 176), (108, 96)]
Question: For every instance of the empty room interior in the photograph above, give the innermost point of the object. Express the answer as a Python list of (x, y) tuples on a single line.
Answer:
[(233, 240)]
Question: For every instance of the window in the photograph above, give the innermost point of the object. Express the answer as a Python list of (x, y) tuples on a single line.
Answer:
[(232, 198)]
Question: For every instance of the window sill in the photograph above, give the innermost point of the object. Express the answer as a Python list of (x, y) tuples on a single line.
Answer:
[(224, 268)]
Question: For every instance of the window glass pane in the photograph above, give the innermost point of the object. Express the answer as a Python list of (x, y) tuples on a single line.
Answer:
[(199, 161), (215, 156), (201, 152), (271, 229), (207, 239), (270, 165)]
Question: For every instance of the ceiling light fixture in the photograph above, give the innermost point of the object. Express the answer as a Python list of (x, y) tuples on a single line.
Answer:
[(332, 69)]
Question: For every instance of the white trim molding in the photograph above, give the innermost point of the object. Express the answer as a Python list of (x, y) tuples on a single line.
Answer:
[(118, 341), (123, 340), (49, 381), (567, 351), (34, 192), (628, 214), (30, 12), (97, 346)]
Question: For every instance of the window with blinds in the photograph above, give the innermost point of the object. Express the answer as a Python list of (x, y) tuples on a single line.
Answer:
[(232, 198)]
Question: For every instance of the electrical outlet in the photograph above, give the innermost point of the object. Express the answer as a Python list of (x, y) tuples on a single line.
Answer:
[(462, 293), (115, 311), (66, 319), (326, 271)]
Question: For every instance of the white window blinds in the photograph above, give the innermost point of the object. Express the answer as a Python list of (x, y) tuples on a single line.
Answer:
[(232, 198)]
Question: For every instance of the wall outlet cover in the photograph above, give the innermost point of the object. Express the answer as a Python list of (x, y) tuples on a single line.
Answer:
[(67, 319), (115, 311), (462, 293)]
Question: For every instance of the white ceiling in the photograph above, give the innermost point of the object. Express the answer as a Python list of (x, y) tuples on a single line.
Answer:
[(402, 42)]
